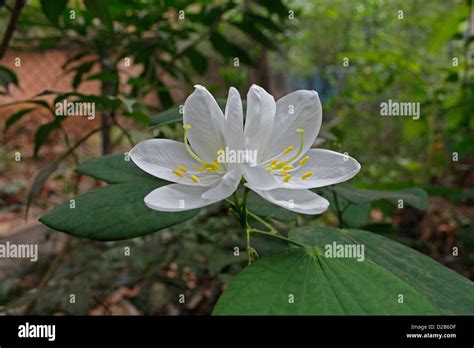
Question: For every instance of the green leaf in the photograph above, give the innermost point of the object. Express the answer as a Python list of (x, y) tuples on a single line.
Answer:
[(113, 213), (265, 209), (229, 50), (43, 132), (17, 116), (197, 60), (53, 9), (99, 8), (114, 169), (172, 115), (7, 77), (330, 286), (117, 211), (414, 197)]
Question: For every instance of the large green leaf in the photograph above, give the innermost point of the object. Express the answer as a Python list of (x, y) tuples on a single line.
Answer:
[(116, 211), (115, 169), (323, 285)]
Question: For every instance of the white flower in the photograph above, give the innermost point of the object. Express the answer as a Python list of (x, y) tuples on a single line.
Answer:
[(192, 165), (282, 133)]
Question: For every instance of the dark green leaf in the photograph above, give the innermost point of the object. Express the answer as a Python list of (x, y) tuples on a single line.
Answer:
[(197, 60), (53, 9), (17, 116), (99, 8), (43, 132), (116, 211), (229, 50)]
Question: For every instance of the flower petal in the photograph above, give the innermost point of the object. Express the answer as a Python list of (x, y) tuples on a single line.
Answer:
[(176, 197), (234, 127), (300, 109), (202, 112), (300, 201), (159, 157), (226, 186), (259, 178), (259, 120), (327, 167)]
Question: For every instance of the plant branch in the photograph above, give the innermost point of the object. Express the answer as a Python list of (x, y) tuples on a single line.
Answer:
[(19, 4), (276, 236)]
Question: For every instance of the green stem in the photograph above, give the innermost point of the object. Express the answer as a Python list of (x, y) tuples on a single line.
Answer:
[(276, 236), (338, 209), (263, 222)]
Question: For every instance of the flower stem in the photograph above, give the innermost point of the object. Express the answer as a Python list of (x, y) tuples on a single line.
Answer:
[(276, 236)]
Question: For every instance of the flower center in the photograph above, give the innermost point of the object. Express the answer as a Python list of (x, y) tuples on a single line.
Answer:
[(284, 166), (206, 167)]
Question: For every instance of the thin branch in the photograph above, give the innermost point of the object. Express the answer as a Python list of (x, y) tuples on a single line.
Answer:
[(11, 26)]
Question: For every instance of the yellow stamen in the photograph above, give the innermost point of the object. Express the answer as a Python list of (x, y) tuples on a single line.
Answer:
[(306, 175), (183, 169), (209, 169), (178, 173), (304, 160), (287, 178), (199, 169), (282, 172), (187, 127), (288, 167), (288, 150), (274, 162), (268, 169), (282, 164), (194, 178)]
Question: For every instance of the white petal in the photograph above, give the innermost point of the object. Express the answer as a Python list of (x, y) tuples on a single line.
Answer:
[(259, 178), (259, 120), (159, 157), (300, 201), (300, 109), (234, 127), (202, 112), (176, 197), (226, 186), (328, 167)]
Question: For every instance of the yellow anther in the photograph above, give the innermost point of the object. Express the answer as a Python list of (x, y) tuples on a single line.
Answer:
[(288, 150), (274, 162), (306, 175), (282, 172), (186, 126), (268, 169), (287, 178), (178, 173), (273, 167), (304, 160), (199, 169), (299, 130), (215, 166), (183, 169), (194, 178), (209, 169), (288, 167)]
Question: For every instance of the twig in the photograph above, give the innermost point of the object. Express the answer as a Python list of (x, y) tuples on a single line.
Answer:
[(11, 26)]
